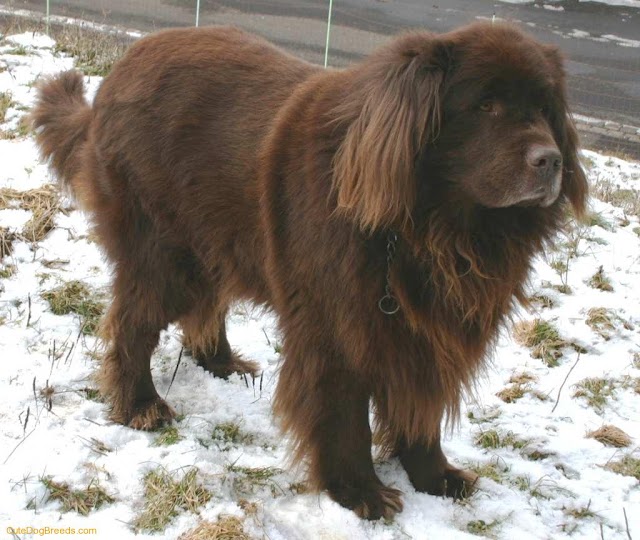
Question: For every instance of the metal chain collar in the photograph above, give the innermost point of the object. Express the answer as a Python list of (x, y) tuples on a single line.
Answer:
[(388, 304)]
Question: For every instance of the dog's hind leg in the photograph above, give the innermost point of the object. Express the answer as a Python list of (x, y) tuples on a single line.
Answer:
[(154, 284), (205, 335)]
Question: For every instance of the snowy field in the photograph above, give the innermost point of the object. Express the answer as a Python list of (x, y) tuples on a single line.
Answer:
[(533, 431)]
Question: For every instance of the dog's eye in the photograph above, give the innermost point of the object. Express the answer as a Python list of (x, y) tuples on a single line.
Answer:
[(487, 106)]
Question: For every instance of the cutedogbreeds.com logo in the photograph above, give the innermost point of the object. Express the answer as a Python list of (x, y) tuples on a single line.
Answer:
[(44, 531)]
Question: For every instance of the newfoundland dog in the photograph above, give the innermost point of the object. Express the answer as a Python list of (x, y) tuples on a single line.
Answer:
[(388, 213)]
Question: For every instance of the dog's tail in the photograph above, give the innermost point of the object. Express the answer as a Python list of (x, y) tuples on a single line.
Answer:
[(61, 118)]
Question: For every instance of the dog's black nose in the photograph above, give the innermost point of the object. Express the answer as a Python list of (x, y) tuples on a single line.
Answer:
[(546, 160)]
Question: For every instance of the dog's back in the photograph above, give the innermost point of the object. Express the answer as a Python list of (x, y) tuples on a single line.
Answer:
[(165, 130)]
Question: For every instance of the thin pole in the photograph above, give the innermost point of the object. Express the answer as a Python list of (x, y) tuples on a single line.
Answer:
[(326, 47), (48, 11), (198, 13)]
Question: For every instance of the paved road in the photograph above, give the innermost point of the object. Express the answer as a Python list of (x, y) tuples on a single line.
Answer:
[(602, 42)]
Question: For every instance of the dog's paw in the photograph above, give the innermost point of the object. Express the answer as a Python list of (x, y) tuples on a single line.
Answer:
[(222, 367), (371, 502), (455, 483), (151, 415)]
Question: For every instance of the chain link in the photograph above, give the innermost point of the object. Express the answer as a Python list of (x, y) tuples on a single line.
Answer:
[(388, 304)]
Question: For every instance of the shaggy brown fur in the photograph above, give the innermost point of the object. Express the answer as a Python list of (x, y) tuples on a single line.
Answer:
[(217, 167)]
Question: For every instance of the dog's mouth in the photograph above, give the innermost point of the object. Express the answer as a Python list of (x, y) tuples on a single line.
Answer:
[(542, 195)]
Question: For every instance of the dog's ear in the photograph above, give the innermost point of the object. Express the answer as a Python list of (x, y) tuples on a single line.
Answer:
[(391, 112), (574, 182)]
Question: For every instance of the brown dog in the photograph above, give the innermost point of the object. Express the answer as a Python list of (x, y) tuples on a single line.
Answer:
[(387, 212)]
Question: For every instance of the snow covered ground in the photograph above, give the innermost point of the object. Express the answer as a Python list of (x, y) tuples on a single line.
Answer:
[(526, 431)]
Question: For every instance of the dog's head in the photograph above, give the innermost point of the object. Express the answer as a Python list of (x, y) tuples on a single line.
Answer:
[(478, 116)]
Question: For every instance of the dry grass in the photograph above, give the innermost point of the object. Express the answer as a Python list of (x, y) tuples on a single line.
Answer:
[(226, 528), (167, 436), (610, 436), (94, 52), (485, 414), (511, 393), (595, 390), (601, 321), (522, 378), (7, 238), (625, 198), (579, 512), (43, 202), (491, 439), (542, 300), (75, 297), (479, 527), (247, 480), (6, 102), (600, 281), (165, 496), (21, 130), (6, 271), (229, 433), (77, 500), (628, 466), (542, 338), (495, 470)]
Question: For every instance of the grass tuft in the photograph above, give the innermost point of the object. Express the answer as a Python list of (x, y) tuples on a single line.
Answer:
[(511, 393), (226, 528), (7, 237), (627, 466), (487, 414), (522, 482), (601, 321), (610, 436), (600, 281), (165, 496), (492, 439), (6, 102), (595, 390), (92, 394), (7, 271), (522, 378), (43, 202), (493, 470), (480, 527), (75, 297), (247, 479), (580, 512), (594, 219), (542, 338), (229, 433), (21, 130), (537, 455), (81, 501), (167, 436), (542, 300)]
